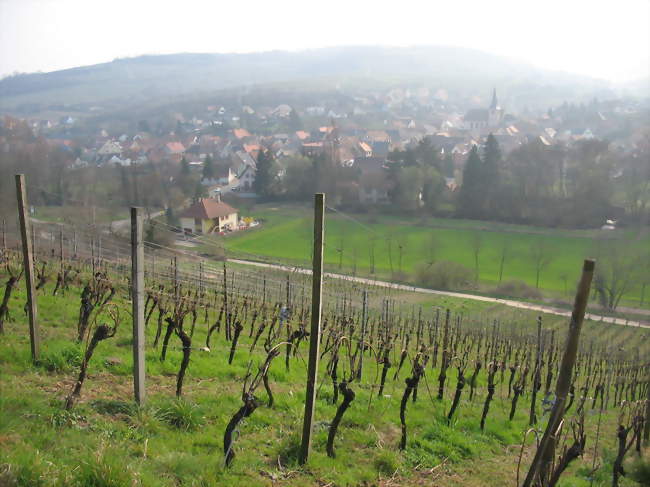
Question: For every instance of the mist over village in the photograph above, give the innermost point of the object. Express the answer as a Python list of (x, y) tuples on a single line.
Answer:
[(350, 247)]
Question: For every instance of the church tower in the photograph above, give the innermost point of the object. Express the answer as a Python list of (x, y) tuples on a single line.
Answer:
[(495, 112)]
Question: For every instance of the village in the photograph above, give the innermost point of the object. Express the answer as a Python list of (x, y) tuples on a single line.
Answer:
[(361, 138)]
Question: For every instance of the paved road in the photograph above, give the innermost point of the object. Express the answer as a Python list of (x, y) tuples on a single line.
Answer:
[(402, 287)]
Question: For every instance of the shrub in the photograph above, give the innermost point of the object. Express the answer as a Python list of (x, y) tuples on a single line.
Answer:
[(518, 289), (181, 414), (386, 462), (68, 419), (61, 360), (445, 275), (104, 471)]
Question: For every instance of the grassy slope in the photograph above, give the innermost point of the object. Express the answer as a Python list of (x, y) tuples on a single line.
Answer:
[(106, 441), (286, 234)]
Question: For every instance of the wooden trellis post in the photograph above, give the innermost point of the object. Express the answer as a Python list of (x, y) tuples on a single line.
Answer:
[(137, 297), (546, 446), (314, 336), (364, 320), (28, 263)]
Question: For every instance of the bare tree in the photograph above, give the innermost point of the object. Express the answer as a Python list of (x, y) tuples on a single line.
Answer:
[(476, 241), (389, 242), (340, 250), (619, 267), (503, 256), (541, 256), (431, 249)]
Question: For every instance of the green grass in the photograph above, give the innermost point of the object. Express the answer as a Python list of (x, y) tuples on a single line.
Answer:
[(286, 235), (79, 214), (106, 440)]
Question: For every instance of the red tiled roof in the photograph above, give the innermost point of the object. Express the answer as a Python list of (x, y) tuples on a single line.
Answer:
[(252, 148), (175, 147), (241, 133), (302, 135), (208, 209)]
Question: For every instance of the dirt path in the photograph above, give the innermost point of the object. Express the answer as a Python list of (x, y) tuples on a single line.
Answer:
[(402, 287)]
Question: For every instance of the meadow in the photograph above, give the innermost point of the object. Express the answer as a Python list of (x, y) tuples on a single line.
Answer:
[(286, 236)]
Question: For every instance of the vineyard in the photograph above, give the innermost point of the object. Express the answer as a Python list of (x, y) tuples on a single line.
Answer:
[(406, 394)]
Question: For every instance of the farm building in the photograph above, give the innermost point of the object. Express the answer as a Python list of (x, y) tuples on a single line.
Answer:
[(208, 215)]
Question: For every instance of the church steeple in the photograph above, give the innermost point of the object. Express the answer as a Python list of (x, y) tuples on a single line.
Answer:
[(495, 104)]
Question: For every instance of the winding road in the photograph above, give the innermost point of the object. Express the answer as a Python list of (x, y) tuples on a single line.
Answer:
[(487, 299)]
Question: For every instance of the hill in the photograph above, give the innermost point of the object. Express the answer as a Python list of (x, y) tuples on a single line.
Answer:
[(143, 78)]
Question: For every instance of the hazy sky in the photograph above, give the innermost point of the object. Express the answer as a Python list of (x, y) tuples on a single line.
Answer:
[(599, 38)]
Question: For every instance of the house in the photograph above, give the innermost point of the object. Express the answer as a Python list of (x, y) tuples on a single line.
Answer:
[(247, 178), (312, 149), (240, 133), (208, 215), (174, 148), (373, 188), (366, 150), (225, 175), (373, 182), (174, 151), (110, 148)]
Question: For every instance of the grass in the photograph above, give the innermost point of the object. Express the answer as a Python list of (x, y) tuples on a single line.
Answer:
[(79, 214), (286, 235), (106, 440)]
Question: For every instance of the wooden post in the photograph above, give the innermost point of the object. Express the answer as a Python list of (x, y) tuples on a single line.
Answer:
[(4, 234), (546, 447), (137, 297), (225, 302), (61, 249), (201, 279), (74, 244), (28, 263), (314, 337), (175, 265), (92, 253), (364, 319), (288, 291), (99, 251), (646, 426)]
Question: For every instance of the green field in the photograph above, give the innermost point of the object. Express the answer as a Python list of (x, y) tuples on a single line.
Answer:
[(286, 235), (79, 214)]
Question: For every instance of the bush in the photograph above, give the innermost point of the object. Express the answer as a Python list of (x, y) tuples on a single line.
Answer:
[(518, 289), (181, 414), (104, 470), (445, 275), (386, 462), (61, 360), (214, 252)]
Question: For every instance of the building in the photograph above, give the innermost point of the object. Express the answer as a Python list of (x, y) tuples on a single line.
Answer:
[(208, 215), (247, 178), (484, 118)]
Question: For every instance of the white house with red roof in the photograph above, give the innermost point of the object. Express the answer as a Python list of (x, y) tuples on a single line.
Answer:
[(208, 215)]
